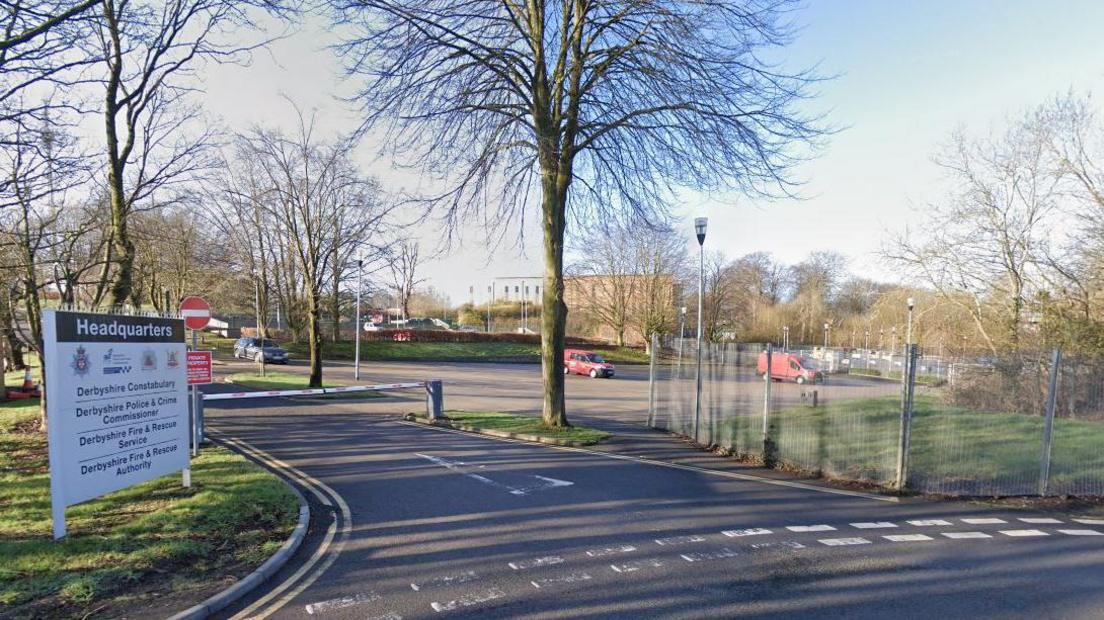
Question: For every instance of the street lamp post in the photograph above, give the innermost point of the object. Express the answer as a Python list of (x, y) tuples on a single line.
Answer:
[(260, 332), (908, 333), (826, 326), (785, 337), (700, 225), (490, 295), (357, 326), (894, 330)]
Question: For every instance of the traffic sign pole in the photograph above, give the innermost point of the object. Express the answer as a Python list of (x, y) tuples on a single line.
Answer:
[(196, 313)]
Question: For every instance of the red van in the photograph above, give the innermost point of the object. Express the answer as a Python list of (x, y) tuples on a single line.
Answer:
[(582, 362), (789, 367)]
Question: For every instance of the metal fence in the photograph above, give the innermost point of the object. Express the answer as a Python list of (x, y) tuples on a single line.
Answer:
[(1011, 425)]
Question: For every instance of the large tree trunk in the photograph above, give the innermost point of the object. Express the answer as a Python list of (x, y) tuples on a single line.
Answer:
[(553, 309), (314, 328)]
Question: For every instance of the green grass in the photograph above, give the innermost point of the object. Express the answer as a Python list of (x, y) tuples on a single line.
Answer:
[(857, 439), (275, 380), (895, 375), (526, 424), (134, 544)]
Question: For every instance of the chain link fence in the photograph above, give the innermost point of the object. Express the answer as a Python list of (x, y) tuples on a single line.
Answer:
[(993, 426)]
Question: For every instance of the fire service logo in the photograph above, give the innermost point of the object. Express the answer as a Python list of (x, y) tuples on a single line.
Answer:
[(172, 361), (149, 360), (81, 363)]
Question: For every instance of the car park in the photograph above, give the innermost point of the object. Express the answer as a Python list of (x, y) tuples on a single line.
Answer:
[(580, 362), (252, 349)]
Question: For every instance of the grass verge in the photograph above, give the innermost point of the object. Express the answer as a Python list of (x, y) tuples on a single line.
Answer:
[(446, 351), (135, 550), (274, 381), (953, 450), (526, 424)]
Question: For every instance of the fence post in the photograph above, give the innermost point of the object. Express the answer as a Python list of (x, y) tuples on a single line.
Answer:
[(908, 375), (1048, 423), (652, 381), (768, 446)]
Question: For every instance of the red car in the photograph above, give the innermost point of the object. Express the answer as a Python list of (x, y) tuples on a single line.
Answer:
[(583, 362)]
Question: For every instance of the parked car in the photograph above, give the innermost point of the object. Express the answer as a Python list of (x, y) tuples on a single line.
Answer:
[(590, 363), (250, 348), (789, 367)]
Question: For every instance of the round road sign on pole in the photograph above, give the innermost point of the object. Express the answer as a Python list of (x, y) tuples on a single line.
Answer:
[(196, 312)]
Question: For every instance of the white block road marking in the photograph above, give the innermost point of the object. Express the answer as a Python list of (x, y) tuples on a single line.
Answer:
[(874, 525), (680, 540), (388, 616), (458, 467), (966, 535), (757, 531), (1021, 533), (1090, 521), (547, 560), (928, 522), (907, 537), (636, 565), (984, 521), (445, 580), (719, 554), (469, 600), (810, 528), (597, 553), (341, 603), (840, 542), (568, 578), (1082, 532), (1040, 520), (789, 544)]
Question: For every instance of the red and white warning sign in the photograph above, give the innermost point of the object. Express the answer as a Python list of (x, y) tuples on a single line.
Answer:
[(196, 312), (199, 368)]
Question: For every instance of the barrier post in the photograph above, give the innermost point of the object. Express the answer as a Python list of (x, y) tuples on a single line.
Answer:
[(435, 399)]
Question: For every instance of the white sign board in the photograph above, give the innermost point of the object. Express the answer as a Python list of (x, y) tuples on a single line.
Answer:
[(116, 403)]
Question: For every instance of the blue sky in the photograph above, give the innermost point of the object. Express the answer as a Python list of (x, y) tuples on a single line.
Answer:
[(909, 73)]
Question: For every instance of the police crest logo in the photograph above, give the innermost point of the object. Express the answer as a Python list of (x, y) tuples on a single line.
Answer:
[(149, 360), (81, 362), (171, 360)]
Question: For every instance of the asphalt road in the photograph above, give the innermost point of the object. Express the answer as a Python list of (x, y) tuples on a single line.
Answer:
[(427, 523)]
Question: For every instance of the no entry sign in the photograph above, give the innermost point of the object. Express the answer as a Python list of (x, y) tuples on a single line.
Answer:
[(196, 312)]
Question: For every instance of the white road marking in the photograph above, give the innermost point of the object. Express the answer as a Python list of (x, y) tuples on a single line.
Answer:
[(840, 542), (387, 616), (341, 603), (445, 580), (657, 463), (458, 467), (547, 560), (469, 600), (810, 528), (1040, 520), (907, 537), (636, 565), (928, 522), (1021, 533), (680, 540), (597, 553), (568, 578), (1090, 521), (791, 544), (1082, 532), (984, 521), (757, 531), (719, 554), (957, 535), (874, 525)]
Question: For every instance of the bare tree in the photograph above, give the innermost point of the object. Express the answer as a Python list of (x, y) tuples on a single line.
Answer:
[(403, 262), (153, 138), (661, 260), (980, 247), (318, 199), (607, 271), (583, 106)]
